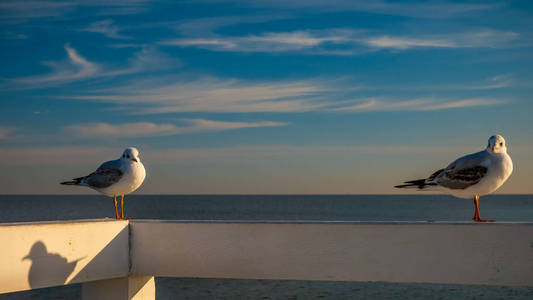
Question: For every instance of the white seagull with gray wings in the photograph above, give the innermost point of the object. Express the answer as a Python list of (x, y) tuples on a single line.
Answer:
[(471, 176), (115, 178)]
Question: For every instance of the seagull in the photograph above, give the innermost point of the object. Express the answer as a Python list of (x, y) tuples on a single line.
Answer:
[(115, 178), (471, 176)]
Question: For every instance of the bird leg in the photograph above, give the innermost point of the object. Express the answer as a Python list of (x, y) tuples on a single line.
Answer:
[(115, 200), (477, 217), (122, 207)]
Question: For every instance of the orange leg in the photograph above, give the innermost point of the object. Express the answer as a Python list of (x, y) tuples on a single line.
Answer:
[(116, 211), (477, 217), (122, 207)]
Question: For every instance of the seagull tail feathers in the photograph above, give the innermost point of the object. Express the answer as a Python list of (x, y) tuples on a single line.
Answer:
[(75, 181), (416, 184), (420, 184)]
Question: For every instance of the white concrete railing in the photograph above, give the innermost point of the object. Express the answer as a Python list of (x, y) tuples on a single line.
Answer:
[(118, 259)]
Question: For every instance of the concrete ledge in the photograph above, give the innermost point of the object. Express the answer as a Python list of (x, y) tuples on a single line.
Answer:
[(459, 253), (390, 223), (43, 254)]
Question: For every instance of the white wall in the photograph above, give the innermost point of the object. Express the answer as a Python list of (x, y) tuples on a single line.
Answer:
[(493, 254), (43, 254)]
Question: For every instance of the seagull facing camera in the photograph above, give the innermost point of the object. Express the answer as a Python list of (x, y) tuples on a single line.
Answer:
[(496, 144), (132, 154), (115, 178), (471, 176)]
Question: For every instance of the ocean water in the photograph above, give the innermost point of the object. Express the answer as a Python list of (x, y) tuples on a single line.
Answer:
[(21, 208), (17, 208)]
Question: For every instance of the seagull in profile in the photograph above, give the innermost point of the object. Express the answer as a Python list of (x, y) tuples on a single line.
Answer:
[(115, 178), (471, 176)]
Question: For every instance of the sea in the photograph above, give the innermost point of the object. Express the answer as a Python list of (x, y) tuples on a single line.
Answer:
[(421, 207)]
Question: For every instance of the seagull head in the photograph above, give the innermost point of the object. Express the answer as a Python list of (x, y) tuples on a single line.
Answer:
[(497, 144), (131, 154)]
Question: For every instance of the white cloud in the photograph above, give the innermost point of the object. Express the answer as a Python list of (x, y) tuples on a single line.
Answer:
[(372, 104), (463, 103), (107, 28), (406, 43), (147, 59), (475, 39), (344, 41), (209, 25), (171, 95), (294, 40), (201, 43), (105, 130), (268, 41), (213, 95), (78, 68), (201, 125), (21, 10), (146, 129), (423, 9), (495, 82)]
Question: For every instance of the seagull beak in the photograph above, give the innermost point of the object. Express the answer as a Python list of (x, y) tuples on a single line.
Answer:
[(493, 148)]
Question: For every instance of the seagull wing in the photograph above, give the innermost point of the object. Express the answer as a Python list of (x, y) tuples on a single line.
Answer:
[(107, 174), (464, 172)]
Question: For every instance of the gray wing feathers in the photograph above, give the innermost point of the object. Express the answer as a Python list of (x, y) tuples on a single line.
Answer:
[(464, 172), (107, 174)]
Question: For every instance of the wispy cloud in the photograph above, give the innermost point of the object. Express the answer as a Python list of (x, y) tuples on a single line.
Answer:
[(210, 25), (213, 95), (202, 125), (78, 68), (147, 129), (476, 39), (107, 28), (418, 9), (344, 41), (406, 43), (495, 82), (266, 42), (147, 59), (372, 104), (20, 10)]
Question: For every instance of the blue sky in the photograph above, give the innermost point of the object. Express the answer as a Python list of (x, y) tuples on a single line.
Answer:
[(262, 96)]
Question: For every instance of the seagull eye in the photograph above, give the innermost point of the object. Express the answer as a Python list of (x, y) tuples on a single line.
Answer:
[(501, 144)]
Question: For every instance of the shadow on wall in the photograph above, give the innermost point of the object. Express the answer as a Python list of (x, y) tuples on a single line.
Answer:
[(47, 268)]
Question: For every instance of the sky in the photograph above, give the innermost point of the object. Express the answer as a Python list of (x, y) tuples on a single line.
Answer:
[(261, 97)]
